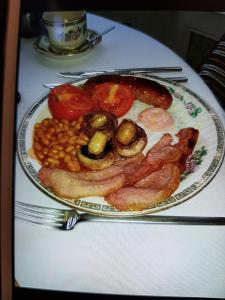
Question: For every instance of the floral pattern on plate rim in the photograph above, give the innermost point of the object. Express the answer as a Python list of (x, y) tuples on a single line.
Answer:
[(194, 162)]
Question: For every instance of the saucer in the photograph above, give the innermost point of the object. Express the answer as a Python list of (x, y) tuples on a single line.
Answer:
[(43, 46)]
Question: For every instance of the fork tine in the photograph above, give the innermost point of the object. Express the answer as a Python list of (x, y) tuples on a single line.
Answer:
[(39, 215), (39, 218), (51, 217), (53, 225), (36, 208)]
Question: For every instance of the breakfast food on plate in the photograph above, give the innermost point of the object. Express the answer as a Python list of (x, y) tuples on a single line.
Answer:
[(130, 139), (56, 142), (70, 185), (144, 90), (135, 183), (164, 152), (98, 154), (156, 119), (139, 198), (157, 176), (187, 140), (113, 97), (101, 121), (104, 146), (69, 102), (85, 150)]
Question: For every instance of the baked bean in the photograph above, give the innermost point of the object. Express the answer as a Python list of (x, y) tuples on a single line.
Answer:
[(69, 148), (50, 154), (54, 150), (83, 136), (58, 129), (37, 125), (70, 132), (37, 146), (53, 161), (45, 140), (77, 146), (73, 152), (45, 122), (73, 166), (72, 140), (51, 130), (63, 139), (61, 154), (40, 155), (39, 132), (55, 121), (55, 155), (66, 122), (45, 150), (59, 135), (57, 147), (77, 126), (80, 141), (55, 142), (67, 158), (73, 123), (66, 127), (48, 136)]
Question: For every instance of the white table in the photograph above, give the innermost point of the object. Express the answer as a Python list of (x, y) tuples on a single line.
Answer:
[(131, 259)]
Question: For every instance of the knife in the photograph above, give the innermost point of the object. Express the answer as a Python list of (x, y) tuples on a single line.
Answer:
[(52, 85), (121, 71)]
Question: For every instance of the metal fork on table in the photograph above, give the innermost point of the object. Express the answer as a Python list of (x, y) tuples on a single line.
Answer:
[(66, 219)]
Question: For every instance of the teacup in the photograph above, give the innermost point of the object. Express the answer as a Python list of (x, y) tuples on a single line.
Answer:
[(67, 30)]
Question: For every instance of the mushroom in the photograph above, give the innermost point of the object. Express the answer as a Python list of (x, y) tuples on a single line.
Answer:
[(98, 154), (130, 139), (101, 121)]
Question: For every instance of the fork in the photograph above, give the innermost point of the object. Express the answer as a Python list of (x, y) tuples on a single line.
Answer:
[(66, 219)]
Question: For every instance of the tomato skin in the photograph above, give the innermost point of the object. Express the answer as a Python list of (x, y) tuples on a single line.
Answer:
[(112, 97), (69, 102)]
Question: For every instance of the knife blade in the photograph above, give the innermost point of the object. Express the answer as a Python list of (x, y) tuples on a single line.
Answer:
[(120, 71), (52, 85), (154, 219)]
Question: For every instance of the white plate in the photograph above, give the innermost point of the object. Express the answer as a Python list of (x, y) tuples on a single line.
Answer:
[(42, 46), (187, 109)]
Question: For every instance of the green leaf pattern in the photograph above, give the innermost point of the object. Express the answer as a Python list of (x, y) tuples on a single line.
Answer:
[(192, 109), (194, 161)]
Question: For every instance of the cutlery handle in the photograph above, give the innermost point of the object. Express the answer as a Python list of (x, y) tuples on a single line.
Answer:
[(121, 71), (87, 43), (177, 79), (182, 220), (101, 34)]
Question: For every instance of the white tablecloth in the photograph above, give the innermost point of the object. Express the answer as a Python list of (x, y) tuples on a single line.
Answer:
[(132, 259)]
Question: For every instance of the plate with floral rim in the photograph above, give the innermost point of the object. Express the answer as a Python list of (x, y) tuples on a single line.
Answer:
[(187, 110)]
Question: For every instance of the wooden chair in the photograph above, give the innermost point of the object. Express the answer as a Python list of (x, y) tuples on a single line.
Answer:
[(213, 70)]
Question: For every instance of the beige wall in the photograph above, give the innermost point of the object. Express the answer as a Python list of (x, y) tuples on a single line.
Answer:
[(172, 27)]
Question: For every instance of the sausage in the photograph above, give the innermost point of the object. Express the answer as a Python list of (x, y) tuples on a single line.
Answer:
[(145, 90)]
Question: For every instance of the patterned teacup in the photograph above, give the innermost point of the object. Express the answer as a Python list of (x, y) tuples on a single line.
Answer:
[(67, 30)]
